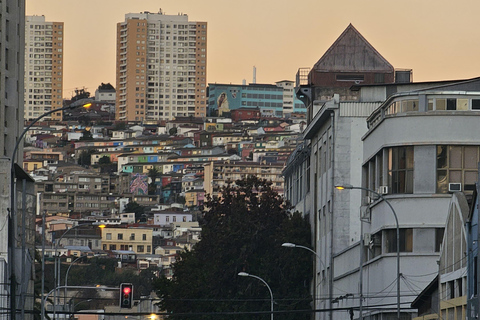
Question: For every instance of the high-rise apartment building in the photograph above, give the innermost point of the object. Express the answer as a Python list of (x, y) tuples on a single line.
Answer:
[(43, 67), (161, 67)]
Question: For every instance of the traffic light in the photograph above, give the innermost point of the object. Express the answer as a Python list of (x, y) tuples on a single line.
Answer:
[(126, 295)]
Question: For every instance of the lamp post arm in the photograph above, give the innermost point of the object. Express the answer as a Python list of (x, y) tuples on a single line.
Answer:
[(312, 251), (20, 138), (398, 236)]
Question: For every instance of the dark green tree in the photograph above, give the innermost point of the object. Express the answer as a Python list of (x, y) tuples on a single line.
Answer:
[(84, 158), (104, 160), (153, 174), (87, 135), (136, 208), (242, 231), (173, 131)]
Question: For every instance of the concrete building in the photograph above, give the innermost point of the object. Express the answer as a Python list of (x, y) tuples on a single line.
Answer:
[(218, 173), (273, 100), (43, 67), (332, 154), (16, 247), (136, 239), (161, 67)]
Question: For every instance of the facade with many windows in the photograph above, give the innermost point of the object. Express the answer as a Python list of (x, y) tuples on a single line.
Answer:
[(43, 67), (161, 67), (272, 100), (134, 239)]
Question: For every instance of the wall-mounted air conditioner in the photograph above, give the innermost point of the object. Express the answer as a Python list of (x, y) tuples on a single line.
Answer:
[(454, 187), (383, 189)]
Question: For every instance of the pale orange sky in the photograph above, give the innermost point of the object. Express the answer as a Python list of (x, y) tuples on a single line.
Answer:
[(438, 39)]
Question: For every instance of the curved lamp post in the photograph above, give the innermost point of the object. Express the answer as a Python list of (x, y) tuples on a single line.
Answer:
[(293, 245), (11, 221), (350, 187), (66, 277), (244, 274), (57, 261)]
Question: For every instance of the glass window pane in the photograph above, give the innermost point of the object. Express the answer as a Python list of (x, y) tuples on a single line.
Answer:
[(442, 181), (455, 176), (430, 104), (451, 104), (471, 157), (475, 104), (455, 157), (470, 177), (441, 157), (440, 104), (462, 104)]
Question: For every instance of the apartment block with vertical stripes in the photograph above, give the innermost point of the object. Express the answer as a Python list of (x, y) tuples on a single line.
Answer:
[(161, 67)]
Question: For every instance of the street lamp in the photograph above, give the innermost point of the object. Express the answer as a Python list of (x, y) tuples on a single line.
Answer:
[(293, 245), (66, 276), (244, 274), (56, 276), (11, 221), (350, 187)]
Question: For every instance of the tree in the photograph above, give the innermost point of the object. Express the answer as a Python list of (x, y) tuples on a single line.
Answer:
[(104, 160), (242, 231), (153, 173), (87, 135), (84, 159), (173, 131), (135, 208)]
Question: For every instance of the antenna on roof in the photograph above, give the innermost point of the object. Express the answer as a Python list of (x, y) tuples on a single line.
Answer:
[(254, 74)]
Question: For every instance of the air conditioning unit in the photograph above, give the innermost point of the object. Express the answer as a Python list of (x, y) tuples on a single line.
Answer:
[(454, 187), (383, 189), (367, 237)]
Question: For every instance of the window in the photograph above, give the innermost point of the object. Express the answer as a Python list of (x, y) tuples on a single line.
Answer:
[(113, 247), (475, 104), (132, 236), (400, 169), (144, 237), (350, 77), (456, 164), (109, 236), (120, 236), (379, 78), (140, 248), (406, 240), (438, 239)]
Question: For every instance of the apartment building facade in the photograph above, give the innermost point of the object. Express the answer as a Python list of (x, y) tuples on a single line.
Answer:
[(219, 173), (161, 67), (272, 100), (134, 239), (43, 67)]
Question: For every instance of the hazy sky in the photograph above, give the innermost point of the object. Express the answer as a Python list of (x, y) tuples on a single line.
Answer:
[(438, 39)]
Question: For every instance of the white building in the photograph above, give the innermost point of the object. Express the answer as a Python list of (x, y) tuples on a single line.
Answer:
[(43, 67), (161, 67)]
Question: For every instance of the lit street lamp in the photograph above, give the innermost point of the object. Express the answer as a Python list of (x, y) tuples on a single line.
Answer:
[(349, 187), (244, 274), (11, 219)]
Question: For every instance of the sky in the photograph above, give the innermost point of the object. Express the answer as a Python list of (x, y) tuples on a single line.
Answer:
[(438, 39)]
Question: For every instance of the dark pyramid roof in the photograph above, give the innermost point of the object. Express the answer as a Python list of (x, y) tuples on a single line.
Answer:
[(351, 52)]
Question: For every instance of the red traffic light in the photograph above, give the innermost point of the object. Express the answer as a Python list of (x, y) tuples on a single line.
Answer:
[(126, 295)]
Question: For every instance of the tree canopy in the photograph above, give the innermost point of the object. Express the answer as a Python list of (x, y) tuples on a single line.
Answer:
[(242, 231)]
